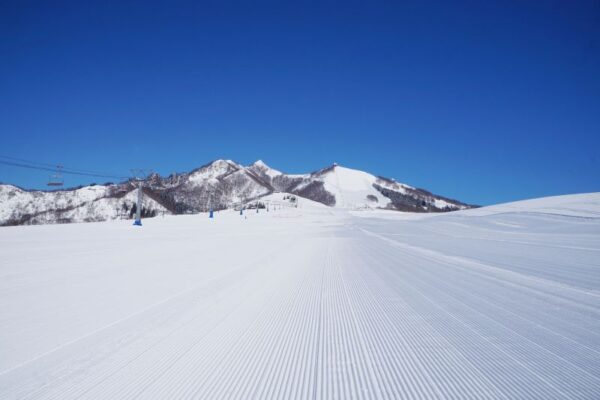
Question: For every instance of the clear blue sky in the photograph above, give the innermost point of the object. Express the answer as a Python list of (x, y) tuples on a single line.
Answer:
[(481, 101)]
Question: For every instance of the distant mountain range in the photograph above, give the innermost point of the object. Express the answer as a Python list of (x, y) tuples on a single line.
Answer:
[(220, 184)]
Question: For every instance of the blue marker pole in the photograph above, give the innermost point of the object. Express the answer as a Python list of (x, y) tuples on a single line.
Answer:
[(138, 210)]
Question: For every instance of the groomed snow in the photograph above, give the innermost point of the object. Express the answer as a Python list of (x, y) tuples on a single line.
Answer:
[(309, 302)]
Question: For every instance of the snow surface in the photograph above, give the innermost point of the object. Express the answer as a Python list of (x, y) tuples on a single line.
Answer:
[(582, 205), (439, 203), (308, 302), (350, 188)]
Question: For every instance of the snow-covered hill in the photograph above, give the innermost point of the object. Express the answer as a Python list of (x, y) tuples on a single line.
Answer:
[(87, 204), (220, 184), (579, 205)]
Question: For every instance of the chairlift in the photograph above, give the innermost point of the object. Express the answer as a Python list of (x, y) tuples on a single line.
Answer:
[(56, 179)]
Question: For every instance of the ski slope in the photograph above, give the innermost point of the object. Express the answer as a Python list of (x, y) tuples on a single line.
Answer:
[(311, 302), (351, 188)]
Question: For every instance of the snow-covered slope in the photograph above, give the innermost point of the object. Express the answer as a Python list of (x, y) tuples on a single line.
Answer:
[(219, 185), (308, 302), (15, 201), (87, 204), (264, 170), (353, 189), (582, 205)]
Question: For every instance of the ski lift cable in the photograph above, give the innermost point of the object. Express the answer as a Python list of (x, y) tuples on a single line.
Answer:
[(21, 160), (76, 171), (63, 170)]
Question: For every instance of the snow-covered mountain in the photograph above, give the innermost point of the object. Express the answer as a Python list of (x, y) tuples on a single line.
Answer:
[(220, 184), (87, 204), (349, 188)]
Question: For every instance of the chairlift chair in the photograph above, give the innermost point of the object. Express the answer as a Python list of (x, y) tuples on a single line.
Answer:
[(56, 179)]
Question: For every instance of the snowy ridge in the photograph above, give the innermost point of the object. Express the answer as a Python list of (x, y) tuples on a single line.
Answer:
[(87, 204), (220, 184), (313, 303), (265, 169), (12, 197)]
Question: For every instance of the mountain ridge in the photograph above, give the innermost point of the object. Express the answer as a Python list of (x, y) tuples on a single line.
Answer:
[(219, 184)]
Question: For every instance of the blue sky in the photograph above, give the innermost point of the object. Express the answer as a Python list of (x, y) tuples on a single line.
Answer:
[(480, 101)]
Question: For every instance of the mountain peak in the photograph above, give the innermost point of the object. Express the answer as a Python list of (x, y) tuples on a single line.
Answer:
[(221, 161), (264, 168)]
